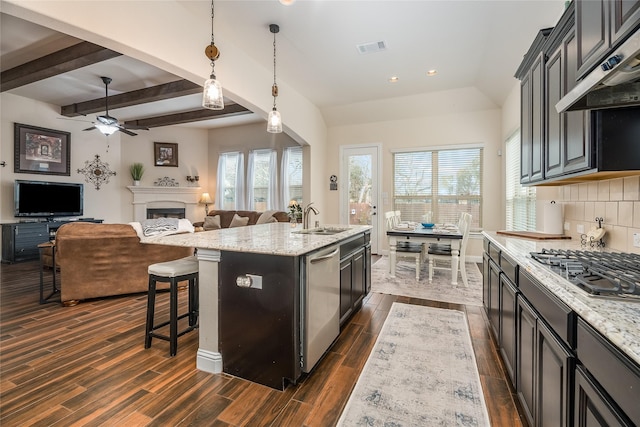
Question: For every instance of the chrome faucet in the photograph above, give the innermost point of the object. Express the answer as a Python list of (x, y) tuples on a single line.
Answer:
[(305, 214)]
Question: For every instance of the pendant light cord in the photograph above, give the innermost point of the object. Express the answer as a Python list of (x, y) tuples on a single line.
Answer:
[(274, 90)]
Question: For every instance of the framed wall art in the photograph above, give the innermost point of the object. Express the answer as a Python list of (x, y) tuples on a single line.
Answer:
[(40, 150), (165, 154)]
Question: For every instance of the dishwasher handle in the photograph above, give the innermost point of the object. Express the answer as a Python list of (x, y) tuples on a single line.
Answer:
[(324, 257)]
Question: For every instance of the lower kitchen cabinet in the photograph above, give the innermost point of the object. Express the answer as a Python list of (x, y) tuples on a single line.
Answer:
[(352, 283), (592, 406), (494, 299), (355, 274), (544, 372), (508, 325), (564, 371), (555, 365), (526, 357)]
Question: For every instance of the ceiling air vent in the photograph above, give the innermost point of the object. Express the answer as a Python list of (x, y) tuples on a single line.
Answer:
[(371, 47)]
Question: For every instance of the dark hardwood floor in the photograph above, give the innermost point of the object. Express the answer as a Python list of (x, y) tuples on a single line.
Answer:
[(86, 365)]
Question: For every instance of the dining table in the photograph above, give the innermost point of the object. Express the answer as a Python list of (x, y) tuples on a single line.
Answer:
[(448, 234)]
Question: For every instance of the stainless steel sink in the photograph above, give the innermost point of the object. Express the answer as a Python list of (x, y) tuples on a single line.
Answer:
[(322, 231)]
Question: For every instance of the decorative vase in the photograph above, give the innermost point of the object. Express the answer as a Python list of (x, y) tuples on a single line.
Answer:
[(136, 182)]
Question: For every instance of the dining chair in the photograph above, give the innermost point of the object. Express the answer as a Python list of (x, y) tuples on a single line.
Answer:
[(436, 254), (405, 250)]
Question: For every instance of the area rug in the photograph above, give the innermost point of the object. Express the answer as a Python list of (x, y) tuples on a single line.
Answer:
[(440, 289), (421, 372)]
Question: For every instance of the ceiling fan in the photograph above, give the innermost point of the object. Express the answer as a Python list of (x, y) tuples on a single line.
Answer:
[(108, 124)]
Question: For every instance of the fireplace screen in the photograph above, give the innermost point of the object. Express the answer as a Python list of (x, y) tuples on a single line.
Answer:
[(165, 213)]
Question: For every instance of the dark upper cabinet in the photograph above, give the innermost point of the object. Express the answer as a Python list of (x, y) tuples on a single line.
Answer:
[(531, 74), (592, 31), (567, 143), (625, 16), (600, 26)]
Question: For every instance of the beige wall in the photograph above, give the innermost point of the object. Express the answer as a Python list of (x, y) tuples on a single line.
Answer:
[(113, 201), (476, 127)]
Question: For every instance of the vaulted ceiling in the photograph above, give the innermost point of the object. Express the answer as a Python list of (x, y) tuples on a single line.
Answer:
[(472, 44)]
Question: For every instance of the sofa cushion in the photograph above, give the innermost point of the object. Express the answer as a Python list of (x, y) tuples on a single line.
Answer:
[(211, 222), (239, 221), (266, 217)]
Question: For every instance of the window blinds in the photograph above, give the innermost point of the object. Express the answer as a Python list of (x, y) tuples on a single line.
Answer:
[(520, 200)]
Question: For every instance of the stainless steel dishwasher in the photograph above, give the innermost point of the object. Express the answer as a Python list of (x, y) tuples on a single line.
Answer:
[(321, 304)]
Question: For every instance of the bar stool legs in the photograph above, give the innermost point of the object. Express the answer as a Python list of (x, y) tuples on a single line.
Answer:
[(173, 272)]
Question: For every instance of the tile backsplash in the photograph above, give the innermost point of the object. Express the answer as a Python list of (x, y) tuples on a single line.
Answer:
[(617, 201)]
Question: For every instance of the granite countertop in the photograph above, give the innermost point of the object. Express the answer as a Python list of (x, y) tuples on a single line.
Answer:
[(274, 239), (617, 320)]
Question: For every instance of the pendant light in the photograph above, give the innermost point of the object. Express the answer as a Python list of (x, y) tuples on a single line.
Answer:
[(212, 95), (274, 121)]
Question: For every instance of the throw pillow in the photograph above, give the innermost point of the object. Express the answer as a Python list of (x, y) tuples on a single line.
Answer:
[(211, 222), (265, 218), (239, 221)]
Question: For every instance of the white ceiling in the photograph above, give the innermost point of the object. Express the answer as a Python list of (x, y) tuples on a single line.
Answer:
[(473, 44)]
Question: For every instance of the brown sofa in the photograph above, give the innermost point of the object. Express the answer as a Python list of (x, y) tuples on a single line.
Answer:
[(226, 217), (98, 260)]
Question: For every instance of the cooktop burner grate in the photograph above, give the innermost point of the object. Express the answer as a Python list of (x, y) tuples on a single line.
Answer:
[(610, 274)]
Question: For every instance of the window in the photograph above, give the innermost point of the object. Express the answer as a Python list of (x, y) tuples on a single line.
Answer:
[(230, 188), (262, 180), (443, 182), (292, 175), (520, 201)]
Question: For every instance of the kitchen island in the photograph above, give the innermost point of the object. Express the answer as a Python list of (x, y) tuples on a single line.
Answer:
[(572, 357), (263, 314)]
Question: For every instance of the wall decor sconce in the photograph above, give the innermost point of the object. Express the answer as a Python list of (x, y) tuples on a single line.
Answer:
[(193, 179), (206, 200)]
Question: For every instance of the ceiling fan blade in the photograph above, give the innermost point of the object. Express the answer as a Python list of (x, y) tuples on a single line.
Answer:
[(123, 130), (91, 128)]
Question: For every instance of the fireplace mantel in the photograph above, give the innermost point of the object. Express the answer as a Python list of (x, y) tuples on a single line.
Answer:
[(164, 197)]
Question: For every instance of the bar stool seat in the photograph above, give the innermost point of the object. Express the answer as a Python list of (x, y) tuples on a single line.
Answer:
[(172, 272)]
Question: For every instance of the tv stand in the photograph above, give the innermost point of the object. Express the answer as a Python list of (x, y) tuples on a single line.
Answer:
[(20, 240)]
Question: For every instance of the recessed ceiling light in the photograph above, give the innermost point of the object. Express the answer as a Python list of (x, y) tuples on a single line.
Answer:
[(287, 2), (394, 79), (432, 73)]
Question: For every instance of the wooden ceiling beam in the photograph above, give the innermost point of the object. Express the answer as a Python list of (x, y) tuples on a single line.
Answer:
[(62, 61), (141, 96), (189, 116)]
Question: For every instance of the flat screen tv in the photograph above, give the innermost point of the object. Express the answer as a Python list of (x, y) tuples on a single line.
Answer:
[(48, 199)]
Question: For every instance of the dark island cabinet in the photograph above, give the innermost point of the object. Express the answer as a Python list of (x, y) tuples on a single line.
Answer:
[(355, 274)]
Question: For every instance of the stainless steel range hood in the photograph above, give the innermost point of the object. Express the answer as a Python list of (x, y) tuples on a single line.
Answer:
[(614, 83)]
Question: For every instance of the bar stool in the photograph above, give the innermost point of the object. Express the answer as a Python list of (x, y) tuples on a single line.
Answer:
[(172, 272)]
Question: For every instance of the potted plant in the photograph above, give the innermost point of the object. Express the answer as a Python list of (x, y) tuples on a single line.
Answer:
[(137, 170)]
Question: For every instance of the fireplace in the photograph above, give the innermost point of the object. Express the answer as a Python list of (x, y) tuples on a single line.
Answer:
[(167, 199), (154, 213)]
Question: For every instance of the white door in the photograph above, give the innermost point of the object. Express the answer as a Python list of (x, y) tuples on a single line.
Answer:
[(359, 189)]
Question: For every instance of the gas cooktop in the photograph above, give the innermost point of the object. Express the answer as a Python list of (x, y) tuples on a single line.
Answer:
[(602, 274)]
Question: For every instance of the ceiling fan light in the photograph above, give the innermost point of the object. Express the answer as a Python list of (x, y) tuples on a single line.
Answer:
[(212, 94), (106, 129), (274, 122)]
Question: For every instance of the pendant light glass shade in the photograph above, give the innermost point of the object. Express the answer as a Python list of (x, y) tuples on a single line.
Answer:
[(212, 95), (106, 129), (274, 122)]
